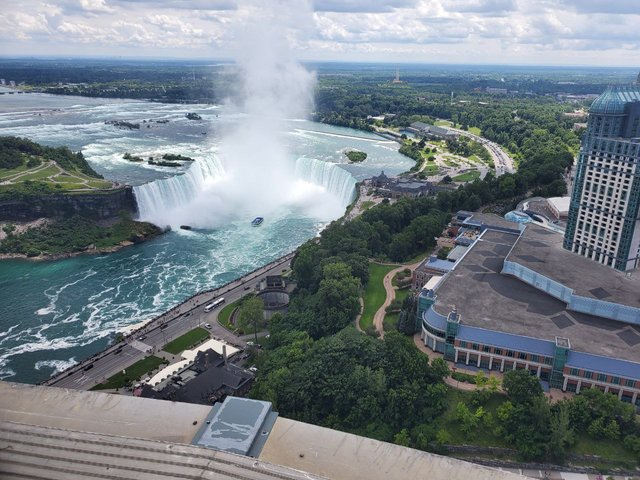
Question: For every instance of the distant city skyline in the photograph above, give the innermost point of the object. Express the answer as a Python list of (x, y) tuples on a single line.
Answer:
[(512, 32)]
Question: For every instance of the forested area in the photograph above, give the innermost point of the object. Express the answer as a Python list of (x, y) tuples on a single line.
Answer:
[(317, 368), (533, 129), (15, 151)]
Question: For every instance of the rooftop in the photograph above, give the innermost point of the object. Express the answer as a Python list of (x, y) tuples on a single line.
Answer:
[(60, 434), (541, 250), (487, 299), (614, 99)]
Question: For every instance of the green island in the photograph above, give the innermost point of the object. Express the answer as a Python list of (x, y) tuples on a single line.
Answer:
[(356, 156), (52, 203)]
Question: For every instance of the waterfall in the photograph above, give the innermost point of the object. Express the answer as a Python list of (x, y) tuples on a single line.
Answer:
[(170, 201), (337, 181), (157, 197)]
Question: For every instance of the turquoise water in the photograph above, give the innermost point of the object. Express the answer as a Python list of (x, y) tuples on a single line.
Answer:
[(55, 313)]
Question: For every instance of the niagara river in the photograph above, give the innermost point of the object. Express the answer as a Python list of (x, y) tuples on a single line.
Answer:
[(55, 313)]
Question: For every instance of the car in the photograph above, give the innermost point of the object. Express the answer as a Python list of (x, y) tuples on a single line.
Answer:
[(117, 351), (253, 369), (250, 343), (142, 337), (88, 367), (163, 326), (207, 325), (186, 314), (247, 287)]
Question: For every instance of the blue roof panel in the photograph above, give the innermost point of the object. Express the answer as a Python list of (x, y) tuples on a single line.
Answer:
[(506, 340), (611, 366)]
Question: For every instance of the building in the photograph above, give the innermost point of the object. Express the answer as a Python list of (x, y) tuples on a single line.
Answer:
[(518, 300), (209, 379), (62, 434), (430, 267), (559, 206), (397, 187), (603, 221), (432, 131)]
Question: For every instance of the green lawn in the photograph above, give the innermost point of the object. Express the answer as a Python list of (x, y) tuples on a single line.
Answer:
[(133, 373), (431, 169), (467, 176), (5, 173), (40, 174), (475, 130), (390, 321), (367, 204), (443, 123), (224, 317), (374, 294), (186, 341)]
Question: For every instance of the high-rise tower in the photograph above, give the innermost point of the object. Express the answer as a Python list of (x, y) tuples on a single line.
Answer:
[(604, 215)]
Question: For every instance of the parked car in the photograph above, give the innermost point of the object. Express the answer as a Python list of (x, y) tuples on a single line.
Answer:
[(207, 325)]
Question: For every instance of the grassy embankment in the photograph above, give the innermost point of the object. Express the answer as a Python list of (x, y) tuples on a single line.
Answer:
[(374, 293), (224, 317), (186, 341), (132, 374)]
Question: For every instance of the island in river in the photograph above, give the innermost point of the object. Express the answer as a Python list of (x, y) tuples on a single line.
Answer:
[(53, 205)]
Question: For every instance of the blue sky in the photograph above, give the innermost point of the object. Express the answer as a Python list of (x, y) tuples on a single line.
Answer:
[(543, 32)]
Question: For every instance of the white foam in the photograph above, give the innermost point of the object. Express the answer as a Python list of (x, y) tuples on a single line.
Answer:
[(56, 365)]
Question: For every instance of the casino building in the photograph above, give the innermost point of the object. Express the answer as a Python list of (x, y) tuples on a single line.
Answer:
[(604, 214), (518, 300)]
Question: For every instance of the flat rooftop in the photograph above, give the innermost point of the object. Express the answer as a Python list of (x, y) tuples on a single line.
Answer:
[(487, 299), (63, 434), (541, 250)]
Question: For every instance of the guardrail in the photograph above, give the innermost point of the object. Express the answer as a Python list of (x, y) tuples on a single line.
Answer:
[(157, 321)]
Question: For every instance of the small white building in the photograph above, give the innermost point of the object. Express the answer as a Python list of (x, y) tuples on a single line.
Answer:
[(559, 206)]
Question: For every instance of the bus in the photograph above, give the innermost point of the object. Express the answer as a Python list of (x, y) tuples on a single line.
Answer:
[(214, 304)]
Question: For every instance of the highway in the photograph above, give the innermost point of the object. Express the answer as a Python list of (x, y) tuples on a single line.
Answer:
[(503, 162), (151, 338)]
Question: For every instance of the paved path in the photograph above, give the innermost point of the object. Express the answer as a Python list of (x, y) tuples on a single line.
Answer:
[(378, 318), (360, 315)]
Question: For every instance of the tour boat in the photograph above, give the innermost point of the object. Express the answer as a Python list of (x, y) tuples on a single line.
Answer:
[(256, 222)]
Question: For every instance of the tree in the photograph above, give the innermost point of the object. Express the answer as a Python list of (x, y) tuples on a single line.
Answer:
[(562, 434), (521, 386), (402, 438), (251, 314)]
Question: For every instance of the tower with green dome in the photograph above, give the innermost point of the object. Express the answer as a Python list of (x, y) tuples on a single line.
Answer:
[(604, 215)]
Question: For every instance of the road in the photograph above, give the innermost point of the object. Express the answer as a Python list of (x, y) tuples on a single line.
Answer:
[(503, 162), (151, 338)]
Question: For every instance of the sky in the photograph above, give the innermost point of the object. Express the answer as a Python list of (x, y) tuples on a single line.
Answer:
[(519, 32)]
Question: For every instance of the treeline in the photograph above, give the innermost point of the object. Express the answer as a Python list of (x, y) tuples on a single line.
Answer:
[(534, 130), (14, 151)]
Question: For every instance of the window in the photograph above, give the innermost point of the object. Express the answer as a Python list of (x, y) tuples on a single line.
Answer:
[(630, 383), (475, 346), (522, 355), (602, 377), (509, 353), (615, 380), (575, 372), (548, 360), (588, 374), (535, 358), (486, 348), (463, 344)]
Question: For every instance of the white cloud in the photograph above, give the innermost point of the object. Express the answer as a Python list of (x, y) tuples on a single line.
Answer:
[(478, 31)]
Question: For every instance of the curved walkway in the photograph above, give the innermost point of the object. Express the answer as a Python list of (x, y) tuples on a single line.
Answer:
[(378, 318)]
